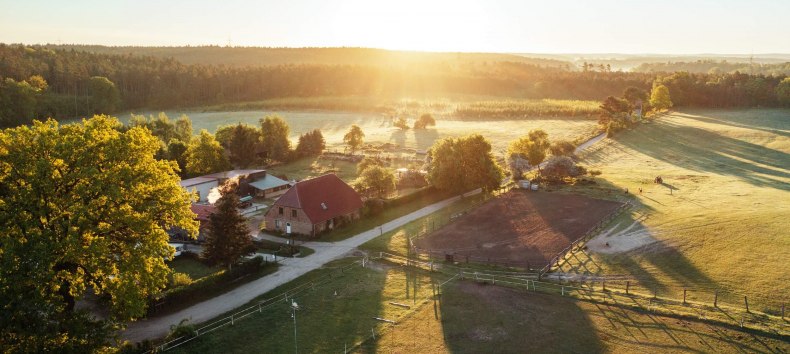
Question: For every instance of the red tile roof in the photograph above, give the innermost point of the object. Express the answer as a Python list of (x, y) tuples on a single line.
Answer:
[(203, 211), (309, 195)]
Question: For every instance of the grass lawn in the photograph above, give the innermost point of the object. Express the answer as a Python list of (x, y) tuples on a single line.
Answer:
[(192, 266), (388, 214), (720, 220), (268, 246), (467, 318), (315, 166)]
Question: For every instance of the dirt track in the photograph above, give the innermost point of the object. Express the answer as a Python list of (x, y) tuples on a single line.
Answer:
[(519, 226)]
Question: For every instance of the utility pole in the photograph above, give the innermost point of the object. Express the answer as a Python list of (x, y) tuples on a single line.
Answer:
[(294, 307)]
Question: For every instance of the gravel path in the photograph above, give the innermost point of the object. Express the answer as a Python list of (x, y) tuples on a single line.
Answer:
[(290, 269)]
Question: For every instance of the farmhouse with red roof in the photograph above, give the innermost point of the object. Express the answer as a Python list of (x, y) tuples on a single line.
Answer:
[(313, 206)]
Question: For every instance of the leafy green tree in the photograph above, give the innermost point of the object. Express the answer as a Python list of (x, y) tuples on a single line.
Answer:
[(367, 162), (274, 138), (17, 102), (562, 148), (105, 97), (311, 143), (424, 121), (83, 207), (463, 164), (659, 98), (634, 94), (783, 92), (228, 237), (205, 155), (532, 147), (400, 122), (559, 167), (242, 141), (376, 181), (183, 128), (354, 138), (177, 151)]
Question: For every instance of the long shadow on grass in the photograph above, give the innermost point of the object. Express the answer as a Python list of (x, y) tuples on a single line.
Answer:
[(331, 315), (705, 151), (745, 119), (479, 318)]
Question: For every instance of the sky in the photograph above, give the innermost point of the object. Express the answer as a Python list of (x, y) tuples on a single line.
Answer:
[(512, 26)]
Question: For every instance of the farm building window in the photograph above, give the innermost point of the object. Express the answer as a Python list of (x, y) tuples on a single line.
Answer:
[(293, 213), (281, 211)]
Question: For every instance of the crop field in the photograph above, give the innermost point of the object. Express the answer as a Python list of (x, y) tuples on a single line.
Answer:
[(719, 222), (519, 227)]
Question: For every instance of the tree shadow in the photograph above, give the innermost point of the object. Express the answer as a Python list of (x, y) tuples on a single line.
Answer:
[(705, 151), (425, 138), (399, 137), (737, 118), (480, 318)]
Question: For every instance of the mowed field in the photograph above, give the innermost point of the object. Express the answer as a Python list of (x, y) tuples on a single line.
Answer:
[(721, 219), (378, 128), (518, 227), (341, 316)]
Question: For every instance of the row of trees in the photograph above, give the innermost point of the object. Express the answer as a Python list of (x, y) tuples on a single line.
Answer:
[(81, 83), (238, 145)]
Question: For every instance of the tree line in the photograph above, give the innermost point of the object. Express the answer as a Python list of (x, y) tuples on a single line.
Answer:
[(37, 81)]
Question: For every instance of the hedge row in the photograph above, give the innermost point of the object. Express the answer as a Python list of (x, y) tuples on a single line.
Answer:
[(206, 287)]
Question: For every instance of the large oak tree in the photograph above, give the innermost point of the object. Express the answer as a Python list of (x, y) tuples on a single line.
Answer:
[(84, 208), (463, 164)]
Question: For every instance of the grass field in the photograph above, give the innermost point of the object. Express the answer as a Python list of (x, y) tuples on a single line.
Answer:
[(719, 221), (467, 318), (378, 127)]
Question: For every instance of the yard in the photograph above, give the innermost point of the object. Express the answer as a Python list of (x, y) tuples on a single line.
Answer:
[(717, 224), (190, 264)]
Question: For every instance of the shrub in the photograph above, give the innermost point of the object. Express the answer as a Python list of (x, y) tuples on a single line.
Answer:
[(559, 167), (179, 279)]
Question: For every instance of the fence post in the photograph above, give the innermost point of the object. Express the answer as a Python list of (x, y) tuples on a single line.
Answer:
[(684, 296), (783, 311), (716, 299), (746, 301), (655, 292), (603, 285), (563, 290), (627, 285), (373, 333), (231, 320)]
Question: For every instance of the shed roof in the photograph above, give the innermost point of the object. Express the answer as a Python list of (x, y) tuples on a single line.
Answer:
[(233, 173), (268, 182), (321, 198), (196, 181)]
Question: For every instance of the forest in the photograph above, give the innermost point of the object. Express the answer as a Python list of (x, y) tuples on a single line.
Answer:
[(39, 81)]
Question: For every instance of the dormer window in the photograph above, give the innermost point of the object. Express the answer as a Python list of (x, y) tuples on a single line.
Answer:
[(323, 206)]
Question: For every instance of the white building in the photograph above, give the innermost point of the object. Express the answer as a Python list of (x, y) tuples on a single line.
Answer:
[(201, 185)]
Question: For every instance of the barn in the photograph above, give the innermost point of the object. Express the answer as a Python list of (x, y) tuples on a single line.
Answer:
[(313, 206)]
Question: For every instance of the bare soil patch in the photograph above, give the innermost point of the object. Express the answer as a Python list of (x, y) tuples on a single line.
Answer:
[(519, 227)]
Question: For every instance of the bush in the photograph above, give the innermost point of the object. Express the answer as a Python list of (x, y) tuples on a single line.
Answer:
[(182, 329), (559, 167), (179, 279)]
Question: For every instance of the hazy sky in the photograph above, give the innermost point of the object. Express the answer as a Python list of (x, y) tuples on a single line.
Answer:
[(559, 26)]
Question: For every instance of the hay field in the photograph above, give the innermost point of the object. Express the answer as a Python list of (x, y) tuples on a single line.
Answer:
[(719, 222)]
